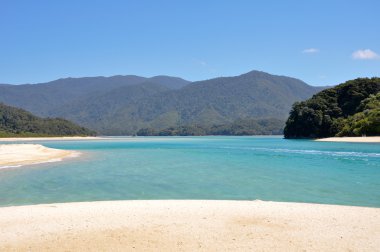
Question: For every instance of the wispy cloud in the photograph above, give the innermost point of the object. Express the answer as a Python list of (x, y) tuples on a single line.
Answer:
[(310, 50), (365, 54), (204, 65)]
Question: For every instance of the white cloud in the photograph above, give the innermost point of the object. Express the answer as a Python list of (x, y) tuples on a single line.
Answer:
[(365, 54), (310, 50)]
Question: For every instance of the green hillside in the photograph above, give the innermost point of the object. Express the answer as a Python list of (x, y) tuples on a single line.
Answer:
[(41, 98), (16, 122), (221, 101), (242, 127), (349, 109), (123, 105)]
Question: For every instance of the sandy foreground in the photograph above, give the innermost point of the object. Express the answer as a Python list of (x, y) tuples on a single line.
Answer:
[(25, 154), (187, 225), (375, 139)]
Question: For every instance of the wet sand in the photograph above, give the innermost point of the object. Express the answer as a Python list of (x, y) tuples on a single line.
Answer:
[(26, 154)]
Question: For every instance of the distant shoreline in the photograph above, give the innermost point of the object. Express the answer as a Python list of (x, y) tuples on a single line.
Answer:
[(20, 139), (15, 155), (189, 225), (370, 139), (129, 137)]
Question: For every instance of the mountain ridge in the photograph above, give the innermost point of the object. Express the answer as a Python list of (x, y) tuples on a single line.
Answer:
[(118, 108)]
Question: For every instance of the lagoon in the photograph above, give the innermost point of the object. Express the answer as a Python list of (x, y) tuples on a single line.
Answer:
[(215, 167)]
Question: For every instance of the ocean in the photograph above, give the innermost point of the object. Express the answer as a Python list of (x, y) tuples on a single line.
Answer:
[(216, 168)]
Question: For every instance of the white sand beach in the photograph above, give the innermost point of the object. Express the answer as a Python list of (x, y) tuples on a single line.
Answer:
[(187, 225), (371, 139), (26, 154)]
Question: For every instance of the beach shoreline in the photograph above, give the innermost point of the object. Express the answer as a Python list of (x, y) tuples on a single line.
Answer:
[(188, 225), (27, 139), (15, 155), (370, 139)]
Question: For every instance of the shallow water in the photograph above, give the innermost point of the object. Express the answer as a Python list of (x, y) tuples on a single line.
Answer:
[(237, 168)]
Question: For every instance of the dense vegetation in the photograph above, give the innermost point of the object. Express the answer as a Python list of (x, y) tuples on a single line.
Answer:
[(349, 109), (16, 122), (43, 99), (122, 105), (237, 128), (217, 101)]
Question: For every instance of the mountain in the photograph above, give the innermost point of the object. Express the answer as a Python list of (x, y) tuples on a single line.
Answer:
[(349, 109), (168, 81), (217, 101), (125, 107), (42, 97), (98, 111), (18, 122)]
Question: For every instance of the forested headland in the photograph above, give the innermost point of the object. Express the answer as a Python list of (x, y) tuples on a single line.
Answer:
[(349, 109), (15, 122)]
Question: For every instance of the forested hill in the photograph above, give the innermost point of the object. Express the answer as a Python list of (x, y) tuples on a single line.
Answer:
[(16, 122), (349, 109), (42, 98), (242, 127), (126, 104), (220, 101)]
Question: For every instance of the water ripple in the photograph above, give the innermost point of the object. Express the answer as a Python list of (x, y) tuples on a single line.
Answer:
[(309, 152)]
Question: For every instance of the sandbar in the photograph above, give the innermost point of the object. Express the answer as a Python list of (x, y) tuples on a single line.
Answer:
[(26, 154), (189, 225), (371, 139)]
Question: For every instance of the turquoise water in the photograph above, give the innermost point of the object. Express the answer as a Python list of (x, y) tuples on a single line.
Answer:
[(237, 168)]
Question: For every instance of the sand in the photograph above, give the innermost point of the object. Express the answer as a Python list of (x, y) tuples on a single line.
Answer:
[(372, 139), (26, 154), (189, 226), (26, 139)]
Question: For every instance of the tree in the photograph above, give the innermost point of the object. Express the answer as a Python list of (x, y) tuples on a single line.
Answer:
[(351, 108)]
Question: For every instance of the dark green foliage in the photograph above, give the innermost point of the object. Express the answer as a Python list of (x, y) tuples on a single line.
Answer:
[(42, 98), (121, 105), (345, 110), (238, 128), (366, 122), (219, 101), (18, 122)]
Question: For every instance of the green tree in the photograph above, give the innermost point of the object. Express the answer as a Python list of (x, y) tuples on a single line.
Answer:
[(349, 109)]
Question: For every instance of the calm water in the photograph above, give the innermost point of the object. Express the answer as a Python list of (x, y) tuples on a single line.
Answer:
[(245, 168)]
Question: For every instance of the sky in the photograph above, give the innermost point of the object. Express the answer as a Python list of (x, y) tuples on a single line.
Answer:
[(318, 41)]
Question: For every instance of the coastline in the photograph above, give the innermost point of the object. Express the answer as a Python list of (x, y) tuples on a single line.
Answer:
[(15, 155), (370, 139), (26, 139), (188, 225)]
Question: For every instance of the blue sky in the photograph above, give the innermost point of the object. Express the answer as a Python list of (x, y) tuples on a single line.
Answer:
[(319, 42)]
